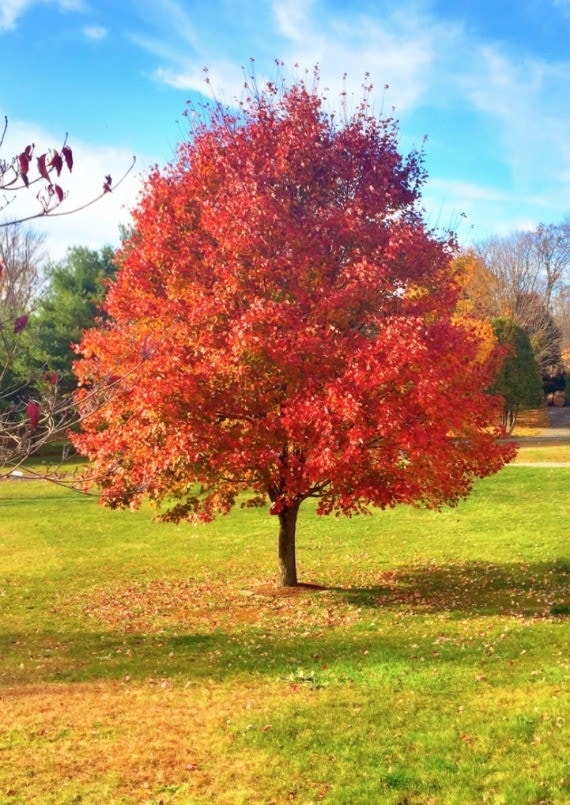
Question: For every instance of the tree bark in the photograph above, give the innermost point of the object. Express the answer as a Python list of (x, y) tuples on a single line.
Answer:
[(287, 560)]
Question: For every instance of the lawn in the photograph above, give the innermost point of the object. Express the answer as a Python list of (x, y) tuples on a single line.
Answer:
[(425, 660)]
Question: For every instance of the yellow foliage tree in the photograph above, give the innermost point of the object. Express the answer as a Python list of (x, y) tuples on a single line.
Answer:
[(475, 305)]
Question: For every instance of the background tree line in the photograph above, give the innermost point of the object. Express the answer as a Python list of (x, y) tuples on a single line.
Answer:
[(59, 300), (44, 309), (519, 285)]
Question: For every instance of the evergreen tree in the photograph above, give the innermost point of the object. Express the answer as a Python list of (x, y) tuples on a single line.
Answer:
[(519, 380), (71, 304)]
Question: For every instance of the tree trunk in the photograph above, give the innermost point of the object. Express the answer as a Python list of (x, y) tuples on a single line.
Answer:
[(509, 418), (287, 561)]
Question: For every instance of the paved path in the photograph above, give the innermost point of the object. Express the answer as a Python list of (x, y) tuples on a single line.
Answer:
[(559, 423), (558, 429)]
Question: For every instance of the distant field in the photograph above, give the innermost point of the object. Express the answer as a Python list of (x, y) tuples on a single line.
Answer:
[(555, 451), (427, 663), (529, 423)]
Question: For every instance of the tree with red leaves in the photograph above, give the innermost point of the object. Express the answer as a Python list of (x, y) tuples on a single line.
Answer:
[(292, 320)]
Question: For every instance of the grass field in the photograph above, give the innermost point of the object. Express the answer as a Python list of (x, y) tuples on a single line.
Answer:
[(424, 661)]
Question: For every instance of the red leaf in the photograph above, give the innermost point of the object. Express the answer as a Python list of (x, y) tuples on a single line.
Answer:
[(68, 156), (33, 412), (24, 161), (55, 189), (42, 168), (57, 162), (20, 324)]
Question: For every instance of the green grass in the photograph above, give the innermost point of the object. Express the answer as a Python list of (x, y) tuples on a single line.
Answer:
[(427, 663)]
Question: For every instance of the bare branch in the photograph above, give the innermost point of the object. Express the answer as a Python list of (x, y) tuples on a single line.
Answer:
[(22, 436), (24, 170), (48, 211)]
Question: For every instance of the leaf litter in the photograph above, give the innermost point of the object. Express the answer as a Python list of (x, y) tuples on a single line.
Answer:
[(516, 590)]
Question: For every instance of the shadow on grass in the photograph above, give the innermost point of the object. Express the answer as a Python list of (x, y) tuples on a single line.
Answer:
[(20, 502), (470, 589), (290, 629)]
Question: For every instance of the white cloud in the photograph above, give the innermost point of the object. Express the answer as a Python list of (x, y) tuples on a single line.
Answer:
[(222, 80), (293, 18), (12, 10), (95, 32), (185, 51), (399, 48), (179, 79), (467, 191), (173, 28), (477, 211), (527, 102), (457, 205)]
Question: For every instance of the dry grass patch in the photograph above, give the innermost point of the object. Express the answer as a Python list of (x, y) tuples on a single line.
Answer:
[(531, 422), (553, 452), (117, 742)]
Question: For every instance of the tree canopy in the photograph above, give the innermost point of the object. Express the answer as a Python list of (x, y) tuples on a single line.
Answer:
[(37, 346), (283, 324)]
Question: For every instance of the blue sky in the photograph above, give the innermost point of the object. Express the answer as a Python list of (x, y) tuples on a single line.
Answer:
[(487, 81)]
